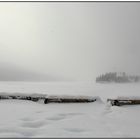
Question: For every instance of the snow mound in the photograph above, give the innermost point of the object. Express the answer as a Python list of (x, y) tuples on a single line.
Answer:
[(128, 97)]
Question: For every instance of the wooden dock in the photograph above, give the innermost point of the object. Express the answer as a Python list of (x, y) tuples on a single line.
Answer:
[(69, 99), (48, 99), (121, 102)]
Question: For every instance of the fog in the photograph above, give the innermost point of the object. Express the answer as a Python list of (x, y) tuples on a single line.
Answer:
[(69, 40)]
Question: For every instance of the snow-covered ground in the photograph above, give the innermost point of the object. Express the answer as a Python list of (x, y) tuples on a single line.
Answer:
[(26, 119)]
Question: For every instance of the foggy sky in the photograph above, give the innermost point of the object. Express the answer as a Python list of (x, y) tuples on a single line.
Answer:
[(75, 40)]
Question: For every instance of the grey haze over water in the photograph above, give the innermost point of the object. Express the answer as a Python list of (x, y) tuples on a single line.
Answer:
[(69, 40)]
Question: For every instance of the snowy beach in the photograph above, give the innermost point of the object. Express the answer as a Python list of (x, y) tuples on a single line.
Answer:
[(26, 119)]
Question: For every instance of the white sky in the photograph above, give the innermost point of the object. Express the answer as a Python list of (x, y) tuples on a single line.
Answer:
[(71, 39)]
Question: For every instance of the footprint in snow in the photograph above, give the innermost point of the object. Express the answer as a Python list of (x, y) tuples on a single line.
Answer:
[(56, 118), (10, 135), (17, 132), (27, 119), (39, 112), (34, 124), (70, 114), (63, 116), (75, 130)]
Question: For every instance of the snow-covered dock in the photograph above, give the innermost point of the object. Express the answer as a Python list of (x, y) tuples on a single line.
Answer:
[(69, 99), (124, 101), (47, 99)]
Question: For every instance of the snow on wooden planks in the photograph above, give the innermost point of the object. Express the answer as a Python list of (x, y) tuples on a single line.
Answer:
[(124, 101), (22, 96), (69, 99), (47, 99)]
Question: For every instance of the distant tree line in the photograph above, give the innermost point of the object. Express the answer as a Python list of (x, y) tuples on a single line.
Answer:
[(117, 77)]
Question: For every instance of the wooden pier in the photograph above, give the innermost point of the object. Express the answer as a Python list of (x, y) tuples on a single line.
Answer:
[(121, 102), (48, 99)]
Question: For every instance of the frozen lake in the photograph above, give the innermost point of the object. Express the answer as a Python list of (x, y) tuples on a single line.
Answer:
[(25, 119), (73, 88)]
